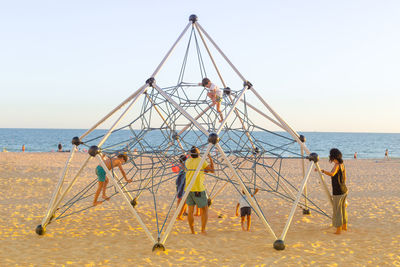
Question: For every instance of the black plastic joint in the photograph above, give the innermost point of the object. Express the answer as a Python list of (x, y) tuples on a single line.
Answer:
[(279, 244), (302, 138), (313, 157), (193, 18), (248, 84), (76, 141), (227, 91), (134, 202), (93, 151), (213, 138), (158, 247), (151, 81)]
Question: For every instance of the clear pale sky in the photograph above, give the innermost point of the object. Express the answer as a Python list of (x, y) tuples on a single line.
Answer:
[(322, 65)]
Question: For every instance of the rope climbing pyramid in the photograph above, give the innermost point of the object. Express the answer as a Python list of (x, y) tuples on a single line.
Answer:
[(159, 123)]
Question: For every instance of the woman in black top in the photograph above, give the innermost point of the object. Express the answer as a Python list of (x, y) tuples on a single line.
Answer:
[(339, 190)]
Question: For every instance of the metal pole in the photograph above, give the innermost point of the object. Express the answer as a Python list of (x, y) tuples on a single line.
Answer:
[(184, 112), (220, 51), (134, 94), (112, 112), (187, 190), (249, 197), (162, 117), (284, 124), (57, 191), (299, 193), (324, 185), (115, 182), (303, 171), (121, 117), (170, 51), (223, 82), (263, 114), (209, 54), (57, 203), (196, 118)]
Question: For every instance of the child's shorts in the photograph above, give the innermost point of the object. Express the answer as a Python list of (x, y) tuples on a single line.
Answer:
[(101, 174), (218, 99), (245, 211), (197, 198)]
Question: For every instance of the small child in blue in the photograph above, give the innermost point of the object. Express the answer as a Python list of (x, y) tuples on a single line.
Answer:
[(180, 185), (245, 210)]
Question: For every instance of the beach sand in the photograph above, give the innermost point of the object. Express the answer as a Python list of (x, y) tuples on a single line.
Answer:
[(109, 234)]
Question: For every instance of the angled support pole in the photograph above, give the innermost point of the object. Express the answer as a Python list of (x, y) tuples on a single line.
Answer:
[(141, 88), (183, 201), (116, 184), (68, 188), (324, 185), (136, 98), (224, 84), (41, 228), (184, 112), (196, 118), (264, 115), (170, 50), (220, 51), (279, 244), (283, 123), (113, 111)]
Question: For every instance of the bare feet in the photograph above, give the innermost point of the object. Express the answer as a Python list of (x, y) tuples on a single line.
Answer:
[(344, 227), (97, 203), (180, 218), (338, 230), (106, 197), (203, 232)]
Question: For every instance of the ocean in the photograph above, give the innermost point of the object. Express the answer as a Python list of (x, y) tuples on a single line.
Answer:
[(367, 145)]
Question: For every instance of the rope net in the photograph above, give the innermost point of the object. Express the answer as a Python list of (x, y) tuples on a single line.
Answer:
[(160, 133)]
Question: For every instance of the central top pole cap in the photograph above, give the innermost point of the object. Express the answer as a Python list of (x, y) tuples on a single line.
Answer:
[(193, 18)]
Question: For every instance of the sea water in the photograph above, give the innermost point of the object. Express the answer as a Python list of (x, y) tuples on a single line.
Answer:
[(367, 145)]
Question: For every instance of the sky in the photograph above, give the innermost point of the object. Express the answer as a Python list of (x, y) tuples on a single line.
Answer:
[(329, 66)]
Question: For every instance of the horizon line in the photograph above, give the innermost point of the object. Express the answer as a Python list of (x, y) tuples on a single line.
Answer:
[(299, 131)]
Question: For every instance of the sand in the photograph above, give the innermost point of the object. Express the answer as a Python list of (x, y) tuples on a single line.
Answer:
[(109, 235)]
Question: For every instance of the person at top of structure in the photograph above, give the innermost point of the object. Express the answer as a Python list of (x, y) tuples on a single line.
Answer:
[(180, 185), (59, 147), (197, 195), (339, 190), (245, 209), (215, 94), (102, 179)]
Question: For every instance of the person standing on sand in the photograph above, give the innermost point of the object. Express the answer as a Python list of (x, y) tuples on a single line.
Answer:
[(355, 155), (245, 209), (111, 163), (197, 195), (339, 190), (386, 154), (23, 148), (59, 147), (180, 185)]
